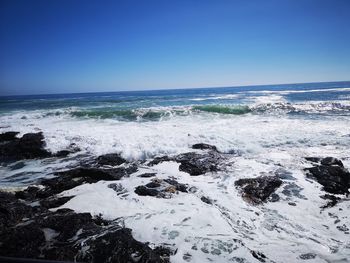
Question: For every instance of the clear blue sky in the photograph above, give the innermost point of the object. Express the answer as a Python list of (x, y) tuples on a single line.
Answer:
[(59, 46)]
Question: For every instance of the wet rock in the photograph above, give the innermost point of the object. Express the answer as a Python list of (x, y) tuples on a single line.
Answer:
[(147, 175), (256, 190), (161, 188), (258, 255), (53, 202), (331, 161), (325, 161), (29, 146), (63, 153), (118, 188), (12, 210), (331, 174), (145, 191), (8, 136), (193, 163), (23, 241), (307, 256), (343, 228), (112, 159), (118, 246), (153, 185), (204, 146), (178, 186), (198, 164), (72, 178), (159, 160), (333, 200), (206, 200)]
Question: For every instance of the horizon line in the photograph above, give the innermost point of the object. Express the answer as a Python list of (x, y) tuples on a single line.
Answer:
[(168, 89)]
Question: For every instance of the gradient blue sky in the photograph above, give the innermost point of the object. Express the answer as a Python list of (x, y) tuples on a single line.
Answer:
[(81, 46)]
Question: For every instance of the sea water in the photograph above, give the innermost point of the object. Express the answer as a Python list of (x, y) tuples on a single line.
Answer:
[(267, 130)]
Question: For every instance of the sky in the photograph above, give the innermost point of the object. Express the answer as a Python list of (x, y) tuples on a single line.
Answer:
[(63, 46)]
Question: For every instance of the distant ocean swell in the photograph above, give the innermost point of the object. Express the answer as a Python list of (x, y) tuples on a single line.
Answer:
[(159, 113)]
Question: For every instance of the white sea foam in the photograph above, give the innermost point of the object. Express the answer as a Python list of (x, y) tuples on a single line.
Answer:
[(230, 228)]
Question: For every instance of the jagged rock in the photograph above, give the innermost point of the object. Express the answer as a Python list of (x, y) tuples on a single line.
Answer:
[(69, 236), (112, 159), (145, 191), (333, 200), (331, 174), (206, 200), (197, 164), (328, 161), (72, 178), (161, 188), (12, 211), (147, 175), (29, 146), (8, 136), (53, 202), (161, 159), (257, 190), (204, 146), (118, 246), (193, 163)]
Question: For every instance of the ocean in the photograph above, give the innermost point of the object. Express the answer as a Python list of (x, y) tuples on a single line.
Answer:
[(263, 129)]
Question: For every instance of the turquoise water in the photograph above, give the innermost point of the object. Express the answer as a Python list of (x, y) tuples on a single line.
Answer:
[(153, 105)]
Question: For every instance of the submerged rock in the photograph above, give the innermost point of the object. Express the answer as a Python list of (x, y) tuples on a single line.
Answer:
[(69, 179), (204, 146), (331, 174), (194, 163), (257, 190), (112, 159), (29, 146)]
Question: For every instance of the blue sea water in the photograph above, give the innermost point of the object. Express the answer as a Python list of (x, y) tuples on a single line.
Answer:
[(121, 105), (259, 130)]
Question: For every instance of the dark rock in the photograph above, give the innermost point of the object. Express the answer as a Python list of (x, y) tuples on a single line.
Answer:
[(274, 197), (331, 161), (67, 236), (145, 191), (193, 163), (204, 146), (307, 256), (53, 202), (325, 161), (63, 153), (292, 204), (30, 146), (158, 160), (72, 178), (333, 200), (343, 228), (12, 211), (197, 164), (313, 159), (147, 175), (179, 187), (257, 190), (334, 178), (112, 159), (28, 194), (153, 185), (8, 136), (118, 246), (206, 200), (258, 255), (23, 241)]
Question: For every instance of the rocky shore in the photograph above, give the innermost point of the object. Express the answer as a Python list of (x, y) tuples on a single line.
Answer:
[(32, 224)]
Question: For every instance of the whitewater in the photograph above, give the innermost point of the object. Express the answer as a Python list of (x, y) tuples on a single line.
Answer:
[(261, 130)]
